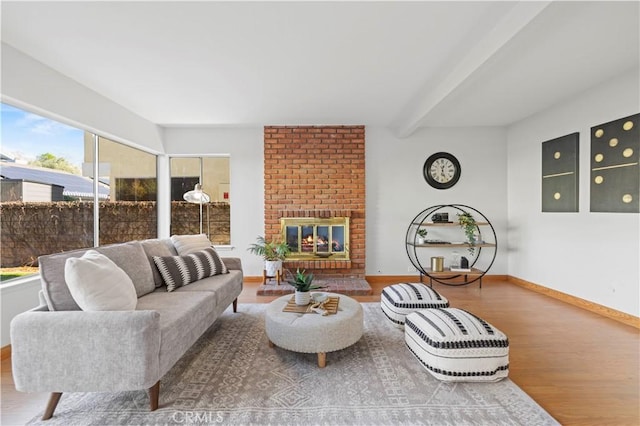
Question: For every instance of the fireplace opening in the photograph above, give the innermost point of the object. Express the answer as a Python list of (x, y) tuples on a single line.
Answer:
[(310, 238)]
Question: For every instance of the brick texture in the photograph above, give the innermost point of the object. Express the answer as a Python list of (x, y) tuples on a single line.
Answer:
[(317, 171)]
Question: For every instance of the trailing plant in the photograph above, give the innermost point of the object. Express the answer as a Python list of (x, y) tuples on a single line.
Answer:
[(422, 232), (274, 250), (468, 224), (302, 281)]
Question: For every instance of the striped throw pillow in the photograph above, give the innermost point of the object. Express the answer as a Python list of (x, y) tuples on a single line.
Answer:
[(178, 271)]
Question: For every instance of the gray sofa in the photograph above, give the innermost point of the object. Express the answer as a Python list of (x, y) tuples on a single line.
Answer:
[(58, 347)]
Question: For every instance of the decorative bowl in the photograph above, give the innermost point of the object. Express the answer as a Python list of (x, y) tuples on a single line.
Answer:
[(319, 297)]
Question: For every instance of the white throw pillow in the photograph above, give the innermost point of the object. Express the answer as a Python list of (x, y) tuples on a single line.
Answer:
[(98, 284), (187, 244)]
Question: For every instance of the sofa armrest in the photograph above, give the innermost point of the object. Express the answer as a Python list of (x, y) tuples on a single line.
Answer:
[(78, 351), (232, 263)]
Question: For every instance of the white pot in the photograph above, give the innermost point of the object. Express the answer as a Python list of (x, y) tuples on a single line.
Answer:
[(421, 240), (302, 298), (272, 267)]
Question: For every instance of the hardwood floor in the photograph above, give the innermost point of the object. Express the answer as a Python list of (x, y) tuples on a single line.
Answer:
[(579, 366)]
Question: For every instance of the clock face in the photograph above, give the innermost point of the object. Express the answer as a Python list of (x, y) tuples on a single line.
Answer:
[(441, 170)]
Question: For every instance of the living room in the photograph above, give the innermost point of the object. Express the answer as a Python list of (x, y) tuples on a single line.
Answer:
[(547, 70)]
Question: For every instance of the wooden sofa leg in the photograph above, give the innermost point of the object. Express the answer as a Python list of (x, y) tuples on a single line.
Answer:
[(51, 405), (154, 395), (235, 305)]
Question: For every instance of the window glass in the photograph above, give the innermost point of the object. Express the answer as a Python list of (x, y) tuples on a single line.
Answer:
[(46, 203), (130, 211), (186, 217)]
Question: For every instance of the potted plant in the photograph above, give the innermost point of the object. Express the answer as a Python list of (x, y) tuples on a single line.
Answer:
[(422, 235), (468, 223), (302, 283), (273, 253)]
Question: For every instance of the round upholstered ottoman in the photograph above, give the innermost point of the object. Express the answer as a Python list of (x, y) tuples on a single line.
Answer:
[(455, 345), (314, 333), (398, 300)]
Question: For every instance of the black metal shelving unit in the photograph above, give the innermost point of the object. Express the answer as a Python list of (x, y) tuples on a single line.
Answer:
[(445, 238)]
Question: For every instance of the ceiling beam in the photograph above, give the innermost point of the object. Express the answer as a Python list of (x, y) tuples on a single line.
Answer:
[(429, 97)]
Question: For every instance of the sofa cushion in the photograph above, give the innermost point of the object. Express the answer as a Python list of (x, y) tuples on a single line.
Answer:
[(157, 247), (133, 260), (130, 257), (178, 271), (187, 244), (98, 284), (226, 287), (183, 319)]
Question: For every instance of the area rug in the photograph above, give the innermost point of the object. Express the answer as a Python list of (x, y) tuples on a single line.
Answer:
[(231, 376)]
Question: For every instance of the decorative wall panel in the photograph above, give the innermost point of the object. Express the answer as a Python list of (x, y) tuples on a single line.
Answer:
[(615, 176), (560, 174)]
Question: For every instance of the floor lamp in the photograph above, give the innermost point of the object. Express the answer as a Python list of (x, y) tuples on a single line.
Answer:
[(197, 196)]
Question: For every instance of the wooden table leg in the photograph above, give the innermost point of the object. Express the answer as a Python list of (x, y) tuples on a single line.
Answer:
[(322, 359)]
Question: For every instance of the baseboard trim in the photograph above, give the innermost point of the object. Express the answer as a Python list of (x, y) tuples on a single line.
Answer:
[(390, 279), (576, 301), (5, 352)]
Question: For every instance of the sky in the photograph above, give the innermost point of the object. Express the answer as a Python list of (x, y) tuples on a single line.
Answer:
[(26, 135)]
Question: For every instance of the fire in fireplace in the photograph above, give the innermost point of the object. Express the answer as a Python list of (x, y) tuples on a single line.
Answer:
[(310, 238)]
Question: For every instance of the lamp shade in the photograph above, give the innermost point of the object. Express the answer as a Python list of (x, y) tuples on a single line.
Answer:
[(196, 196)]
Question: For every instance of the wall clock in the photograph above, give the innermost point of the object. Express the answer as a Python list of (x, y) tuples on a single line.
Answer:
[(441, 170)]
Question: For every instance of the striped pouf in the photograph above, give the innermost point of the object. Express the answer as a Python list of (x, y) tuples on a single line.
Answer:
[(398, 300), (457, 346)]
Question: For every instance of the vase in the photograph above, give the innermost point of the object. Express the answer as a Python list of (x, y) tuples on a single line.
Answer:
[(302, 298), (272, 267)]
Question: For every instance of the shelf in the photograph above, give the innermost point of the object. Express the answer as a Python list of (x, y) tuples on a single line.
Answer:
[(452, 274), (446, 224), (451, 245)]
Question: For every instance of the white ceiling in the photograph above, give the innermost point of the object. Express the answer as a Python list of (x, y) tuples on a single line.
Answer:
[(400, 64)]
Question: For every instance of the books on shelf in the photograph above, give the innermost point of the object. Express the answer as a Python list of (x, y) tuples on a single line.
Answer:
[(460, 269)]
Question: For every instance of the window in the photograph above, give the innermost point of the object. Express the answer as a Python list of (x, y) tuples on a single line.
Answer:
[(47, 191), (212, 217), (130, 212)]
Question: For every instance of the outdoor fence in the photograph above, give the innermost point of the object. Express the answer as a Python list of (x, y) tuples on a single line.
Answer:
[(29, 230)]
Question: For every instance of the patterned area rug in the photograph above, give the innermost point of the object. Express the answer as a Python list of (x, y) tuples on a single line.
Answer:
[(232, 376)]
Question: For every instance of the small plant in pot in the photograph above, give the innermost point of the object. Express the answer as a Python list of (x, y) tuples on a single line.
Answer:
[(273, 253), (422, 235), (468, 223), (302, 283)]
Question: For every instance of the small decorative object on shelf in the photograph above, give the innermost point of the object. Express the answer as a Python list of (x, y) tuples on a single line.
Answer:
[(468, 223), (446, 240), (422, 235), (437, 264)]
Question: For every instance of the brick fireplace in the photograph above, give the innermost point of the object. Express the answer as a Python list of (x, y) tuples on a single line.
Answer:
[(317, 172)]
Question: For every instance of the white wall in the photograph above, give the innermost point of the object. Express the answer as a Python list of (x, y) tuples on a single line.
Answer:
[(397, 191), (594, 256), (29, 84), (246, 168)]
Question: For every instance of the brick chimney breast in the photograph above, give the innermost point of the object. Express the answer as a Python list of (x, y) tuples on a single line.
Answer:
[(317, 171)]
